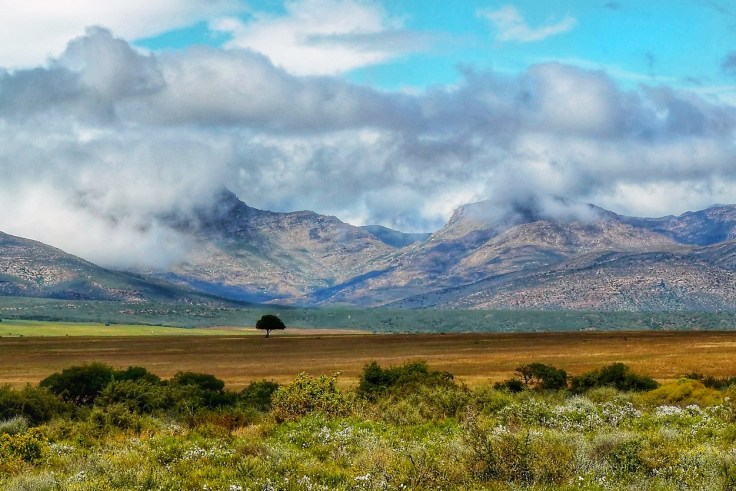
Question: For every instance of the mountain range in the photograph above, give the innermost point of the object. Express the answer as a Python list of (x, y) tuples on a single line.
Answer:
[(487, 256)]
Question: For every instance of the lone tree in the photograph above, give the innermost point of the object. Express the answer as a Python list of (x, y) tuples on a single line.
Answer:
[(270, 323)]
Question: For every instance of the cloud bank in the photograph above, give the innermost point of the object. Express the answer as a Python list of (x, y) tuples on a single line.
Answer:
[(323, 37), (103, 142)]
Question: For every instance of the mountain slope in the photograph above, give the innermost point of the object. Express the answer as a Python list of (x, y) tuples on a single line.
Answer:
[(32, 269), (565, 256), (706, 227), (250, 254), (470, 248)]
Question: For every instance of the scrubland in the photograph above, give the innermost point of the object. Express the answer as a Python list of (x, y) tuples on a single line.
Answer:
[(403, 426)]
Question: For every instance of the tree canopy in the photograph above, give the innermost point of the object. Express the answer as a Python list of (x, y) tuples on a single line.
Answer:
[(270, 322)]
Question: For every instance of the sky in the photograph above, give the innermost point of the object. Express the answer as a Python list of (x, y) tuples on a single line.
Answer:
[(114, 115)]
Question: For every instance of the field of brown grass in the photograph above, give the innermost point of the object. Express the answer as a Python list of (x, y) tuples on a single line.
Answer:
[(473, 358)]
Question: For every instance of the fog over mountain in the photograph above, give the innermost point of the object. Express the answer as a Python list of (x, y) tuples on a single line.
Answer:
[(101, 145)]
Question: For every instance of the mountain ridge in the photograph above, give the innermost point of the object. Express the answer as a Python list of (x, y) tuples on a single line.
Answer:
[(552, 255)]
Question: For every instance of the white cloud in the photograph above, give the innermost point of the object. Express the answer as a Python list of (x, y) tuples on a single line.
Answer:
[(512, 26), (81, 151), (322, 37), (33, 30)]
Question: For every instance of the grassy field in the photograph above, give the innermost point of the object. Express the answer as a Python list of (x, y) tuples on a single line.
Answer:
[(474, 358), (26, 328)]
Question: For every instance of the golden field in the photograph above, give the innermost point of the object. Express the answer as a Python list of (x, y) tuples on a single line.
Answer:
[(473, 358)]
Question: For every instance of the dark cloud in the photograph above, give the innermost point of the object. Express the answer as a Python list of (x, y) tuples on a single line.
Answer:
[(728, 64), (108, 140)]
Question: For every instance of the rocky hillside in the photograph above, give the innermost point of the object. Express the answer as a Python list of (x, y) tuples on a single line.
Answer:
[(250, 254), (565, 256), (472, 248), (32, 269)]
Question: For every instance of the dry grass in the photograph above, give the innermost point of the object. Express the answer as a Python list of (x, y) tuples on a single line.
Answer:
[(473, 358)]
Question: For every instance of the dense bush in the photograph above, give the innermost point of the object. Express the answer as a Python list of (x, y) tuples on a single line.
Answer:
[(683, 392), (191, 391), (543, 376), (712, 382), (258, 395), (307, 395), (206, 382), (33, 403), (136, 373), (513, 385), (617, 375), (28, 446), (14, 425), (80, 384), (137, 395), (402, 379)]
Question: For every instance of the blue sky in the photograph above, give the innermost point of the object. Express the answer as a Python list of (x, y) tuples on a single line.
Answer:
[(113, 114), (679, 43)]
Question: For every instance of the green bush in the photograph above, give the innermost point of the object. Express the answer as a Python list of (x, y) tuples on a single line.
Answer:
[(489, 399), (30, 446), (402, 379), (617, 376), (206, 382), (138, 374), (258, 394), (307, 395), (192, 391), (137, 395), (683, 392), (512, 385), (35, 404), (114, 417), (13, 426), (712, 382), (80, 384), (541, 376)]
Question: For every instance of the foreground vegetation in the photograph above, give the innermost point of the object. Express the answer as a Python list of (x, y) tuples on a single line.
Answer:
[(404, 427)]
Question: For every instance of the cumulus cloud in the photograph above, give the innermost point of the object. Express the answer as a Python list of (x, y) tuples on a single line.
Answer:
[(323, 37), (33, 30), (512, 26), (104, 143)]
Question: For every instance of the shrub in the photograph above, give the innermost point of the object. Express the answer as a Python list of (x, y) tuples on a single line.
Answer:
[(402, 379), (621, 450), (30, 446), (258, 394), (617, 376), (712, 382), (543, 376), (137, 395), (138, 374), (80, 384), (206, 382), (683, 392), (513, 385), (115, 416), (424, 404), (35, 404), (489, 399), (192, 391), (14, 425), (307, 395)]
